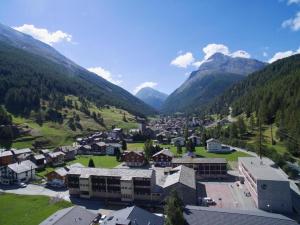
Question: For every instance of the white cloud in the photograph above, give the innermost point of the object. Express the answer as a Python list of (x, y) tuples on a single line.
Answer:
[(281, 55), (143, 85), (241, 54), (265, 54), (105, 74), (183, 60), (211, 49), (44, 35), (292, 23), (289, 2)]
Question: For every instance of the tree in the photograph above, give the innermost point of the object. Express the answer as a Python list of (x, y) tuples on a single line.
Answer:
[(124, 145), (91, 163), (190, 147), (252, 123), (118, 154), (179, 149), (124, 117), (241, 126), (148, 149), (259, 140), (174, 209)]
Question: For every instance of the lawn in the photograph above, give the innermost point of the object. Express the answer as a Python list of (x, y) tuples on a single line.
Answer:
[(135, 146), (201, 152), (29, 210), (100, 161)]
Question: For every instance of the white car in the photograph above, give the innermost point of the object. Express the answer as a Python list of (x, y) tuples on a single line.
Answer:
[(209, 201), (103, 217), (22, 185)]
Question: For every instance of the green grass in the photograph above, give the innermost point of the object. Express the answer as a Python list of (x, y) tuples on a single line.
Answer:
[(135, 146), (201, 152), (100, 161), (27, 210), (43, 172)]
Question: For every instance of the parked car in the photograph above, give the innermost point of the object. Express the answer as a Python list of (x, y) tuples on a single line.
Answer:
[(209, 201), (22, 185), (103, 217)]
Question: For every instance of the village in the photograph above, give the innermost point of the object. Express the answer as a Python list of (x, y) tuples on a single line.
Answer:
[(209, 180)]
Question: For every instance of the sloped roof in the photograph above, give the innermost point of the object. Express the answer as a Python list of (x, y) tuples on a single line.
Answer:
[(22, 166), (188, 160), (195, 215), (166, 152), (181, 174), (135, 215)]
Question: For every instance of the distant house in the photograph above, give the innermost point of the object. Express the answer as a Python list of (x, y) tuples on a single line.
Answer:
[(69, 151), (22, 154), (133, 215), (73, 215), (6, 158), (55, 158), (18, 172), (134, 158), (112, 148), (39, 160), (163, 158), (178, 141), (85, 150), (195, 140), (98, 148), (214, 145)]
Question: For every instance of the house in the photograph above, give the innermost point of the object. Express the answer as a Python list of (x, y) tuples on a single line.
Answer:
[(163, 158), (69, 151), (18, 172), (182, 179), (133, 215), (204, 167), (85, 150), (134, 158), (55, 158), (178, 141), (126, 185), (6, 158), (111, 148), (195, 140), (39, 160), (269, 188), (44, 151), (75, 215), (195, 215), (22, 154), (213, 145), (98, 148)]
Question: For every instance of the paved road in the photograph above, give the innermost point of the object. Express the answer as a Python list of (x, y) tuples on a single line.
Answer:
[(33, 189)]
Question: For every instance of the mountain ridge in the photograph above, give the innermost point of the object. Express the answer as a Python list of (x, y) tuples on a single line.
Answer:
[(152, 97)]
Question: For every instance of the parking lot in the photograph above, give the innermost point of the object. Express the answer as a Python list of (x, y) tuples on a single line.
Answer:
[(226, 194)]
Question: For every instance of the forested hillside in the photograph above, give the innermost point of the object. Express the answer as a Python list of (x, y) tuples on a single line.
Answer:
[(273, 94)]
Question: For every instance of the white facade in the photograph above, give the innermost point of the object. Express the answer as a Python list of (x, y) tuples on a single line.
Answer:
[(213, 145), (178, 141)]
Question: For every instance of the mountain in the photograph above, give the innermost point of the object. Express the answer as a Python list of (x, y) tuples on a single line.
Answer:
[(31, 70), (152, 97), (273, 94), (212, 78)]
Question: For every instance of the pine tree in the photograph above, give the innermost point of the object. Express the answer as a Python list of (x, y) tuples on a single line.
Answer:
[(174, 209), (124, 145), (91, 163)]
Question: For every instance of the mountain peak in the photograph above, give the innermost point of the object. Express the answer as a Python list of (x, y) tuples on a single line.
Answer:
[(152, 97)]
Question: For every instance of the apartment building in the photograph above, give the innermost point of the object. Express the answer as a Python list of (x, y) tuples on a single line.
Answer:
[(126, 185), (204, 167), (268, 186)]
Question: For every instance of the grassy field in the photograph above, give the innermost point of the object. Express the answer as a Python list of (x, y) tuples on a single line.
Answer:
[(135, 146), (29, 210), (54, 134), (100, 161)]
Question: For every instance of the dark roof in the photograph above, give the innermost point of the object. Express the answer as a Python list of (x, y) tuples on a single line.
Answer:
[(166, 152), (70, 216), (189, 160), (195, 215), (134, 214)]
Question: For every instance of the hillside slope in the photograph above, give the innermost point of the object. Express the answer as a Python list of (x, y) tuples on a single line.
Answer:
[(31, 70), (152, 97), (212, 78)]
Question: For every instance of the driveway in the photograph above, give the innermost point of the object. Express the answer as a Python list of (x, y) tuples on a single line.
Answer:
[(33, 189)]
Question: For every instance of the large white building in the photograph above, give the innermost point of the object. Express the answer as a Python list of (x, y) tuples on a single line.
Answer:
[(214, 145), (269, 188)]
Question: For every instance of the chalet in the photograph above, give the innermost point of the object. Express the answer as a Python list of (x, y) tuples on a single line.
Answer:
[(39, 160), (6, 158), (116, 133), (214, 145), (22, 154), (18, 172), (55, 158), (98, 148), (85, 150), (134, 158), (112, 148), (163, 158), (69, 151), (195, 140), (178, 141), (44, 151)]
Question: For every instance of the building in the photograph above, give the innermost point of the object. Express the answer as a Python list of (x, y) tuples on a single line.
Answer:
[(75, 215), (18, 172), (269, 188), (69, 151), (85, 150), (205, 167), (98, 148), (112, 148), (182, 179), (22, 154), (163, 158), (39, 160), (195, 140), (178, 141), (134, 158), (128, 185), (6, 158), (55, 158), (133, 215), (214, 145), (195, 215)]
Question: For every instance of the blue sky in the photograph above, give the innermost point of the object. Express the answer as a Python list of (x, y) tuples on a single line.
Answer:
[(135, 43)]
